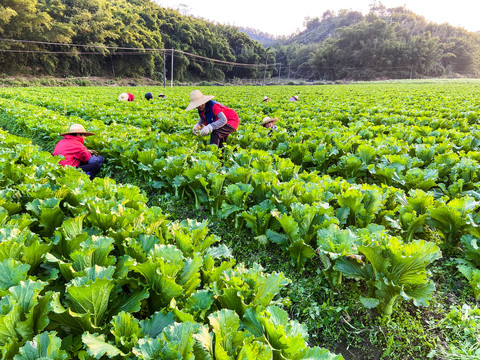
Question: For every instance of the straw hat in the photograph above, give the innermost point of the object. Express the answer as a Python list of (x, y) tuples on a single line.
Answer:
[(161, 96), (266, 98), (267, 120), (77, 129), (123, 97), (197, 99)]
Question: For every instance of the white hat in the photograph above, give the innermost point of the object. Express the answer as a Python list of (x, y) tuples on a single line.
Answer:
[(267, 120), (123, 97), (77, 129), (197, 99), (266, 98)]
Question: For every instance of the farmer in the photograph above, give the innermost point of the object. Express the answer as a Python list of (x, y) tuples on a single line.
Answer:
[(269, 123), (266, 99), (76, 154), (215, 118), (293, 98), (126, 97)]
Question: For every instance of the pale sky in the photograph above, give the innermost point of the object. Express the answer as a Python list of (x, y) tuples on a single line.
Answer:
[(281, 17)]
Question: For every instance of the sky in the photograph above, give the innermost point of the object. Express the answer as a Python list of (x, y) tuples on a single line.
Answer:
[(281, 17)]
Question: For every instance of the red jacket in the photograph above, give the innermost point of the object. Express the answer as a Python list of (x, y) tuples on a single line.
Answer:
[(130, 97), (72, 148), (212, 108)]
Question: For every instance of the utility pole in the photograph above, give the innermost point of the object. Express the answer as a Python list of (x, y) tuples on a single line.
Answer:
[(171, 75), (113, 66), (164, 71), (279, 72), (265, 72)]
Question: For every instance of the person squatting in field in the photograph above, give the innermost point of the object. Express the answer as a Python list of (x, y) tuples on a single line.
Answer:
[(215, 118), (71, 147), (269, 123)]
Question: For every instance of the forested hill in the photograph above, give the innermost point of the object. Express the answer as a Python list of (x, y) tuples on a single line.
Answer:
[(118, 23), (385, 43), (263, 38)]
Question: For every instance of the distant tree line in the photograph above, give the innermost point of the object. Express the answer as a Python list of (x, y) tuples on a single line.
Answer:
[(386, 43), (133, 24)]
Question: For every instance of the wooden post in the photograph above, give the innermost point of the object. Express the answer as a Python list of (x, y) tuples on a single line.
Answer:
[(171, 75), (279, 72)]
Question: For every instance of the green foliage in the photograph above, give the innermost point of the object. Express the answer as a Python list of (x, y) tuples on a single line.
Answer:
[(418, 159), (333, 244), (461, 325), (452, 220), (413, 214), (144, 24), (176, 297), (43, 346), (392, 270), (381, 43)]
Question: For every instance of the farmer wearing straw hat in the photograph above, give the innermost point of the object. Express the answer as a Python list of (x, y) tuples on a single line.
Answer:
[(76, 154), (126, 97), (215, 118), (269, 123)]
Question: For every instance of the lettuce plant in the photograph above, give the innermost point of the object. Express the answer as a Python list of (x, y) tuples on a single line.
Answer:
[(236, 198), (412, 214), (333, 244), (359, 205), (392, 270), (299, 230), (452, 220), (259, 219)]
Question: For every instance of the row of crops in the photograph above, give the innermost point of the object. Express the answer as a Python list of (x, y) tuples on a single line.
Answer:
[(89, 271), (372, 186)]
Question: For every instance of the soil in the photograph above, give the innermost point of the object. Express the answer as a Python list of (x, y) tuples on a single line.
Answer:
[(362, 351)]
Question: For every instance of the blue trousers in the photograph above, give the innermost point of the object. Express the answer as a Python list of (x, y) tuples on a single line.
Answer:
[(93, 166)]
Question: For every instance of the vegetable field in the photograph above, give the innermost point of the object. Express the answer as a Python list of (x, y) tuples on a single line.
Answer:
[(353, 230)]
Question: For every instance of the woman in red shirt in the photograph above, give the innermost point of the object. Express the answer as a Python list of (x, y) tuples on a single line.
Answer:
[(76, 154), (215, 118)]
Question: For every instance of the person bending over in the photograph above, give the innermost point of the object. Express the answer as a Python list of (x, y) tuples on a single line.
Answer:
[(71, 147), (215, 118)]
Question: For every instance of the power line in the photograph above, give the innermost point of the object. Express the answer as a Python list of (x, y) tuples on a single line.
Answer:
[(222, 61), (69, 52), (79, 45), (135, 51)]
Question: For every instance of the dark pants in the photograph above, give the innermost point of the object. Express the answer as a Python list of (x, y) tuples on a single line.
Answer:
[(93, 166), (220, 136)]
